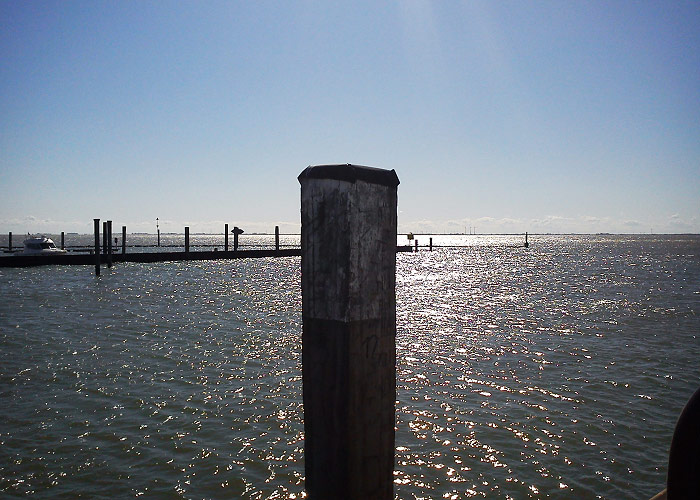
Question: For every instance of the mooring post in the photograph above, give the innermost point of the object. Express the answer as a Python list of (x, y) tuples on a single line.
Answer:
[(416, 242), (235, 239), (97, 247), (187, 240), (225, 237), (104, 238), (9, 241), (123, 240), (109, 243), (63, 240), (277, 238), (431, 244), (348, 280), (526, 243)]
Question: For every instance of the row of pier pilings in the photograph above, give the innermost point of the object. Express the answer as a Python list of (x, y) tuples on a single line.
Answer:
[(105, 252)]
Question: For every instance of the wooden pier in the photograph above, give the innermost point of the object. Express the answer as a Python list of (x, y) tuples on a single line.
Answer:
[(88, 259)]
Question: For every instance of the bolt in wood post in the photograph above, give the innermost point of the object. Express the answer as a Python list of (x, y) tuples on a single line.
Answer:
[(225, 237), (431, 244), (348, 280), (97, 247), (109, 243), (123, 240), (9, 241), (63, 240), (187, 241), (277, 238)]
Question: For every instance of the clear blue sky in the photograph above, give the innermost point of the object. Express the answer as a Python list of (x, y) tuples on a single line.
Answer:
[(504, 116)]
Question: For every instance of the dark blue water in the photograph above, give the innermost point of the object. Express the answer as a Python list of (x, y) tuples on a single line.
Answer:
[(557, 371)]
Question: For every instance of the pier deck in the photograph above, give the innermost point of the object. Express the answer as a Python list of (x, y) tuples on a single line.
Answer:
[(69, 259)]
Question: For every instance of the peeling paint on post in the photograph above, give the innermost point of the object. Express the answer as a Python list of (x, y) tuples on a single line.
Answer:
[(348, 279)]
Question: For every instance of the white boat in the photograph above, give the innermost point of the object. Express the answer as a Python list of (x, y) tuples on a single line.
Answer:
[(40, 245)]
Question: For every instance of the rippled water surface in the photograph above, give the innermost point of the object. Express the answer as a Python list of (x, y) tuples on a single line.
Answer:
[(556, 371)]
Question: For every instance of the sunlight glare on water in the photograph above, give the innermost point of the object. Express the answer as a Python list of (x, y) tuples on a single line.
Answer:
[(553, 372)]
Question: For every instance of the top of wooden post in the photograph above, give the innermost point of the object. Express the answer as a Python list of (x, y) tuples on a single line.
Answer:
[(351, 173)]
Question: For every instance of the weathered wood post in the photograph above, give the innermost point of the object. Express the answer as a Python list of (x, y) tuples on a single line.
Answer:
[(277, 238), (526, 243), (431, 244), (97, 247), (104, 238), (187, 241), (416, 242), (235, 238), (63, 240), (123, 240), (9, 241), (109, 243), (225, 237), (348, 280)]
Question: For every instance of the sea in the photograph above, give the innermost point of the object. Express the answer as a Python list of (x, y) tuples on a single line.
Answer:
[(554, 371)]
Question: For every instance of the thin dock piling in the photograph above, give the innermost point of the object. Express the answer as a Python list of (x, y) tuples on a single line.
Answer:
[(225, 237), (123, 240), (277, 238), (9, 241), (63, 240), (109, 243), (97, 247), (187, 240), (104, 238), (348, 279)]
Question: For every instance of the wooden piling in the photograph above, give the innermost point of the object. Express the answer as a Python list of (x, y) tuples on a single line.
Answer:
[(158, 237), (109, 243), (187, 240), (431, 244), (348, 278), (63, 240), (416, 243), (9, 241), (526, 243), (277, 238), (235, 239), (97, 247), (123, 240), (225, 237), (104, 238)]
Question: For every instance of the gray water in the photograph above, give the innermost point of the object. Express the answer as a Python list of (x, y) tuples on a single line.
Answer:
[(553, 372)]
